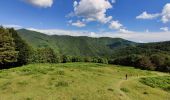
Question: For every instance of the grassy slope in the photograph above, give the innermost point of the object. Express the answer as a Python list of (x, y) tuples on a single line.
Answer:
[(76, 81), (75, 46)]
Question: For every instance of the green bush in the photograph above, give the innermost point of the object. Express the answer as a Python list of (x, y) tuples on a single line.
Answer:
[(162, 82)]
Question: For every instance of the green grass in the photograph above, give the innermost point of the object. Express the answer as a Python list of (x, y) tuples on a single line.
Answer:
[(162, 82), (76, 81)]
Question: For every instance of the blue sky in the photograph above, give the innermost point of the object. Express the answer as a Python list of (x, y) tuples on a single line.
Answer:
[(108, 17)]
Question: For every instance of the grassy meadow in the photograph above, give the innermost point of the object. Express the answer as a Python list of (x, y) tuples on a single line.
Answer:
[(82, 81)]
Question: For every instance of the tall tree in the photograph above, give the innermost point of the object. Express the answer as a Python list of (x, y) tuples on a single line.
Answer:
[(8, 54), (144, 62), (24, 50)]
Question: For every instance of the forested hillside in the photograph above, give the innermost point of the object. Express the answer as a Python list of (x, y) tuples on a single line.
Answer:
[(74, 46), (152, 56)]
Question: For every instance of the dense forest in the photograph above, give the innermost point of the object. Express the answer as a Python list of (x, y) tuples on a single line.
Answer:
[(23, 47), (74, 46)]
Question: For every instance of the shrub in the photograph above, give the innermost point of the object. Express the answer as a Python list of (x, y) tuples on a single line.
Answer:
[(145, 92), (162, 82), (66, 59), (109, 89), (124, 90)]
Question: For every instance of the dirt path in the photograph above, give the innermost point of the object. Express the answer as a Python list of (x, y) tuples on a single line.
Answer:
[(123, 95)]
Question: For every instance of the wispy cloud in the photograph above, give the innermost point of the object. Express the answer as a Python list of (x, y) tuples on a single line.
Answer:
[(166, 29), (77, 23), (41, 3), (12, 26), (132, 36), (164, 15), (146, 15)]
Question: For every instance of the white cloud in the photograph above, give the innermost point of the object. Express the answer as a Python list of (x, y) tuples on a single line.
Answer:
[(12, 26), (115, 25), (123, 30), (41, 3), (147, 37), (166, 13), (93, 10), (132, 36), (75, 3), (78, 24), (61, 32), (146, 15), (166, 29)]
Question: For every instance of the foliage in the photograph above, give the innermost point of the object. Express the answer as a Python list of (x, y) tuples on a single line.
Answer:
[(162, 82), (24, 50), (8, 54), (45, 55), (74, 46), (66, 59), (153, 62)]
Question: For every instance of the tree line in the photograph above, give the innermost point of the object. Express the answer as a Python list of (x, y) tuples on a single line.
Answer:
[(158, 62)]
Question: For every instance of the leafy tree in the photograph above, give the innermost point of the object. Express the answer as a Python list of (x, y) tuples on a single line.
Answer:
[(58, 58), (87, 59), (145, 63), (167, 66), (158, 60), (95, 60), (102, 60), (111, 61), (77, 59), (8, 54), (66, 59), (139, 61), (24, 50), (46, 55)]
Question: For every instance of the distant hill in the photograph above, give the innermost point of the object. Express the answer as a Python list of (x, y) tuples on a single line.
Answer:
[(88, 46), (75, 46), (143, 49)]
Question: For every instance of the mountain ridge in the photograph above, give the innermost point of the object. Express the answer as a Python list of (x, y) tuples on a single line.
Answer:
[(74, 45)]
